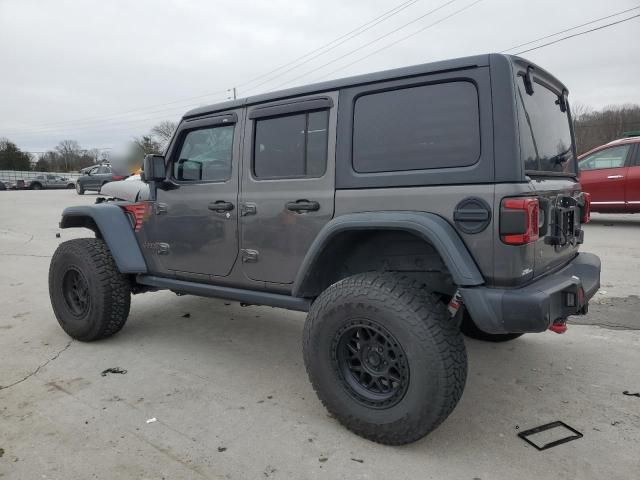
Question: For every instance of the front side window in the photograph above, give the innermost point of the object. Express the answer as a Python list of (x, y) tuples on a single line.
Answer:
[(206, 154), (292, 146), (417, 128), (614, 157)]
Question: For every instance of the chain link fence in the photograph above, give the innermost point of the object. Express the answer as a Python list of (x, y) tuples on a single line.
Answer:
[(17, 177)]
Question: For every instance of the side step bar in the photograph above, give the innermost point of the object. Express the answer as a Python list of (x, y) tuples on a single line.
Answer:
[(237, 294)]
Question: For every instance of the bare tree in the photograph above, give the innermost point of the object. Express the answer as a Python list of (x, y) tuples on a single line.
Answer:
[(597, 127), (69, 151), (163, 132), (147, 144)]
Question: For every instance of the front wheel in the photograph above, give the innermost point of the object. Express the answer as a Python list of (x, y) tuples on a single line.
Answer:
[(384, 357), (90, 297), (79, 189), (36, 186)]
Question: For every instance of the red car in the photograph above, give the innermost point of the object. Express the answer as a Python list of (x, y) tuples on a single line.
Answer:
[(611, 174)]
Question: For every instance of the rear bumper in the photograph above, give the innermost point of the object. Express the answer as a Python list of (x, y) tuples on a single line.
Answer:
[(534, 307)]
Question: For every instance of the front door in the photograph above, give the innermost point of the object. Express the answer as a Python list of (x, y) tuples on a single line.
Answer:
[(194, 231), (288, 184), (603, 174)]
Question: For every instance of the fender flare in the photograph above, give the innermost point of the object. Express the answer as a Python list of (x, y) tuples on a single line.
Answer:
[(109, 221), (432, 228)]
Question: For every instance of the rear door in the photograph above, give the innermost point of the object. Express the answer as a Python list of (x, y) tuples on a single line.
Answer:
[(603, 175), (632, 184), (288, 183)]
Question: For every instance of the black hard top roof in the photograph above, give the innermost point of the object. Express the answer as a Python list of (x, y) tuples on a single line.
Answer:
[(415, 70)]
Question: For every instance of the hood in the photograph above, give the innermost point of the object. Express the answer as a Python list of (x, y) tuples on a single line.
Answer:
[(133, 190)]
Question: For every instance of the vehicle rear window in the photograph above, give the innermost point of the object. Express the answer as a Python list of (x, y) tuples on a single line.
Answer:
[(545, 136), (417, 128)]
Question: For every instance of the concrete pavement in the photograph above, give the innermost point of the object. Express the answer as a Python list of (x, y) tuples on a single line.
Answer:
[(228, 388)]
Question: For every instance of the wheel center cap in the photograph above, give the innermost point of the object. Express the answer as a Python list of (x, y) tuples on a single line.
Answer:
[(374, 359)]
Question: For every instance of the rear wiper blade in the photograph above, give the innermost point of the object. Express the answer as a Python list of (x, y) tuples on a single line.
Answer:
[(561, 157)]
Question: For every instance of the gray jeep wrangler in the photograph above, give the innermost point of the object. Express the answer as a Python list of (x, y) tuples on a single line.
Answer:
[(401, 209)]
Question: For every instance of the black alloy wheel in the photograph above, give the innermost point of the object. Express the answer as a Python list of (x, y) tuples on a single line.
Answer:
[(371, 364), (76, 292)]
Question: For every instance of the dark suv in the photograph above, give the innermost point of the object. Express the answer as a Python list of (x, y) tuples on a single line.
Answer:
[(95, 178), (400, 209)]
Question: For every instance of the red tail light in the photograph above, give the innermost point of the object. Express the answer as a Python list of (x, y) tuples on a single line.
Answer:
[(139, 212), (115, 178), (586, 208), (519, 222)]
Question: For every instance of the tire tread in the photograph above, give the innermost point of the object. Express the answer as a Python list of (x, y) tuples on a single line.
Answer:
[(426, 317)]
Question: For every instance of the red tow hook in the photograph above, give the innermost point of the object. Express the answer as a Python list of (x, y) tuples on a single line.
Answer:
[(559, 326)]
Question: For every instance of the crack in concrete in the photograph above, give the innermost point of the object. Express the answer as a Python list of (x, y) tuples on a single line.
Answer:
[(4, 387), (605, 325), (25, 255)]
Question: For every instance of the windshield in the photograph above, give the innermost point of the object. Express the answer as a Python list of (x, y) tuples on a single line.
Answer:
[(545, 136)]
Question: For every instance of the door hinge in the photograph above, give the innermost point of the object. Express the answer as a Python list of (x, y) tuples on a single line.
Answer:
[(249, 256), (248, 208)]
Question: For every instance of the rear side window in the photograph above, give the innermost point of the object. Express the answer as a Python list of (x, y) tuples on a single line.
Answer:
[(417, 128), (292, 146)]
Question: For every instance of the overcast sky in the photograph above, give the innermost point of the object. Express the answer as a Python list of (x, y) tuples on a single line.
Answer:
[(101, 72)]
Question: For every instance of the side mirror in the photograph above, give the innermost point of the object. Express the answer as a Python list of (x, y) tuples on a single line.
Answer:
[(153, 168)]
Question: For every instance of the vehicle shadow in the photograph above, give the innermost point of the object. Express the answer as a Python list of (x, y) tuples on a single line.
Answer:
[(519, 384)]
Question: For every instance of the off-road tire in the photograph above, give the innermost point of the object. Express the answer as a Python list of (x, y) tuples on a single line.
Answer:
[(432, 344), (109, 291), (79, 189), (471, 330)]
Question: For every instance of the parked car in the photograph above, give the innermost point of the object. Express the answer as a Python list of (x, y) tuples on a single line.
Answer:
[(3, 186), (611, 175), (49, 181), (96, 177), (401, 209)]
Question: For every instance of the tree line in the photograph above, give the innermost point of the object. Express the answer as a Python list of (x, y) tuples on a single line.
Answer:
[(592, 128), (69, 156), (597, 127)]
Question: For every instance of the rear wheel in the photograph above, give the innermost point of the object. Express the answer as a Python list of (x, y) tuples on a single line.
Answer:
[(70, 186), (384, 357), (36, 186), (79, 189), (471, 330), (90, 297)]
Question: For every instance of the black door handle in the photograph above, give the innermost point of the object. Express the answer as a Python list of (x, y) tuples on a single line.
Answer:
[(221, 206), (303, 206)]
